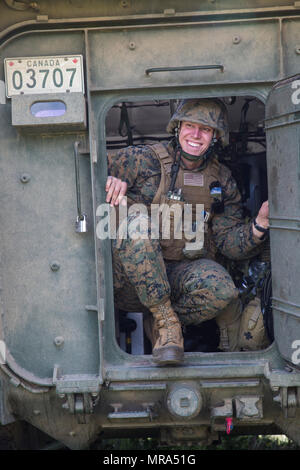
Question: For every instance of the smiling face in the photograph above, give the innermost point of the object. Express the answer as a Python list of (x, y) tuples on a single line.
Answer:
[(195, 138)]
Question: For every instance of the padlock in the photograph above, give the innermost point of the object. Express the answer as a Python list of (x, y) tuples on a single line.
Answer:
[(81, 224)]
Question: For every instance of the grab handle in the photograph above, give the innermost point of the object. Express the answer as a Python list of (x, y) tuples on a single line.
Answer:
[(182, 69)]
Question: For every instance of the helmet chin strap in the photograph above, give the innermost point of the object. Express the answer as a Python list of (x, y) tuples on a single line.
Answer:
[(195, 158)]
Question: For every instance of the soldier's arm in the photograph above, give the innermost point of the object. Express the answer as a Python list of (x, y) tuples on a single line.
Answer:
[(136, 170), (234, 238), (122, 172)]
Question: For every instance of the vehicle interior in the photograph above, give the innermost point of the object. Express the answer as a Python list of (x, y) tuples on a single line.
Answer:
[(144, 122)]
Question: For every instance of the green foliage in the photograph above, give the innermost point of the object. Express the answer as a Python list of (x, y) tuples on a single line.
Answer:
[(254, 443), (226, 443)]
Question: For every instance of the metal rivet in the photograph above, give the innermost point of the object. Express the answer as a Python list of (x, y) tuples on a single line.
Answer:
[(132, 45), (236, 39), (24, 178), (54, 265), (297, 49), (124, 3), (59, 341), (72, 433), (36, 412)]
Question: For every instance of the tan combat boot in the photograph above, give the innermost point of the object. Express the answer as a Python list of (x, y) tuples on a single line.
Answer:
[(253, 336), (166, 335), (229, 321)]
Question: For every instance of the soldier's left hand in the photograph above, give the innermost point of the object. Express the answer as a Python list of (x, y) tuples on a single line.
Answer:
[(262, 217)]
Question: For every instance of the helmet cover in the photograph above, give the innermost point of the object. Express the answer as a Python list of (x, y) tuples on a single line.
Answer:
[(207, 111)]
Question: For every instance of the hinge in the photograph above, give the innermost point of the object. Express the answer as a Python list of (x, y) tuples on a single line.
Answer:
[(80, 404), (80, 390), (22, 6), (289, 399)]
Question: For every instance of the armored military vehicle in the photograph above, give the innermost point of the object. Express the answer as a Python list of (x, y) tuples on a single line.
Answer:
[(79, 80)]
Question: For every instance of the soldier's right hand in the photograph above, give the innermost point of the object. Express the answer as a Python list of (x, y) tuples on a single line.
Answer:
[(116, 189)]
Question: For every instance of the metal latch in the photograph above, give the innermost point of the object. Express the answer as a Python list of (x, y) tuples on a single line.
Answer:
[(81, 221), (248, 407), (244, 408)]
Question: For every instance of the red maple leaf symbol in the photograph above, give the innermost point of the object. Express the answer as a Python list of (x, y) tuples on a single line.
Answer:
[(11, 63), (75, 61)]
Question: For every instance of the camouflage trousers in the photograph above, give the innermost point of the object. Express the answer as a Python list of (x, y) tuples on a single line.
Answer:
[(199, 289)]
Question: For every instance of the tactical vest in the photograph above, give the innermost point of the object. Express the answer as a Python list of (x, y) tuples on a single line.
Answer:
[(195, 187)]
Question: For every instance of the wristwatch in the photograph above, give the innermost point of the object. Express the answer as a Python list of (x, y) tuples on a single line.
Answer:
[(264, 230)]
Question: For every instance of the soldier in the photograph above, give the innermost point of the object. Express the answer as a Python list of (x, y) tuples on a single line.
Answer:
[(177, 286)]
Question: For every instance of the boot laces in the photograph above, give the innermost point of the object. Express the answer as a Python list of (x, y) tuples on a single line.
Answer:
[(167, 321)]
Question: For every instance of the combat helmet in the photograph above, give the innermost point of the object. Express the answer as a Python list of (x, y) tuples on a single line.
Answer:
[(207, 111)]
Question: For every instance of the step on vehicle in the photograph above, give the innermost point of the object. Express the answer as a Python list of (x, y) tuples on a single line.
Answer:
[(79, 80)]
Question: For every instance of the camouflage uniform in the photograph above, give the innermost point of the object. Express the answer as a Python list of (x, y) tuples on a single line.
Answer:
[(199, 289)]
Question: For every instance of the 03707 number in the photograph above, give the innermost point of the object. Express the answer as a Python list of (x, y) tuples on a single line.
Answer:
[(30, 78)]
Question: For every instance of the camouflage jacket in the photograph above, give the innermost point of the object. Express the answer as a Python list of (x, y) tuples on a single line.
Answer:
[(141, 169)]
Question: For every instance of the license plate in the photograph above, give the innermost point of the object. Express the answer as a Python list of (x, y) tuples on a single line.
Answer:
[(35, 75)]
